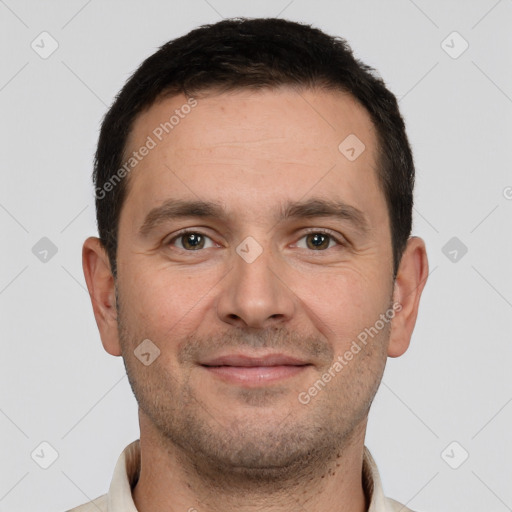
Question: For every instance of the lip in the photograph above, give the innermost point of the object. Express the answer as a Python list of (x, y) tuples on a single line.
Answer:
[(251, 371), (243, 360)]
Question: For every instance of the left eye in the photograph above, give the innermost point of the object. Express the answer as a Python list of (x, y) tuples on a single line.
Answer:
[(318, 241), (192, 241)]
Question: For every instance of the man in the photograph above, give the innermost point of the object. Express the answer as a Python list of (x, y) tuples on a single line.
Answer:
[(255, 269)]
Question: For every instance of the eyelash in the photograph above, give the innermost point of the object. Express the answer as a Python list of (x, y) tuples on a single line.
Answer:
[(310, 231)]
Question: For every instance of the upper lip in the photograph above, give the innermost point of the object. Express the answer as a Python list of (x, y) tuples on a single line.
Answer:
[(247, 360)]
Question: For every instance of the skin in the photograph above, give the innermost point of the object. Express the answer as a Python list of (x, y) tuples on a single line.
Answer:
[(216, 445)]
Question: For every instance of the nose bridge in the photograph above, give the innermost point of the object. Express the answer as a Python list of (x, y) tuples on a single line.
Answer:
[(254, 295)]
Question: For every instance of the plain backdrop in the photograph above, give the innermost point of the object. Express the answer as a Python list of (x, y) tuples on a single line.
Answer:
[(440, 428)]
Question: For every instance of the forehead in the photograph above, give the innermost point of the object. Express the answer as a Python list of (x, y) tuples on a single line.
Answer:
[(267, 145), (321, 116)]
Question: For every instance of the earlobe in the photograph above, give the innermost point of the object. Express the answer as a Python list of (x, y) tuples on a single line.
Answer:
[(409, 283), (101, 286)]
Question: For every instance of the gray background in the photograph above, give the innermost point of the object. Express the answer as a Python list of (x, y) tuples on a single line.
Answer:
[(454, 384)]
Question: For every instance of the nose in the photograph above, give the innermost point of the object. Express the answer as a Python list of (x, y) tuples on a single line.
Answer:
[(255, 294)]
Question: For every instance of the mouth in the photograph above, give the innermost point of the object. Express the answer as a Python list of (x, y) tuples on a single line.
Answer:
[(254, 371)]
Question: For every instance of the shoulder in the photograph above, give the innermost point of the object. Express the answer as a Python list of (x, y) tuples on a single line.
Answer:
[(97, 505), (395, 506)]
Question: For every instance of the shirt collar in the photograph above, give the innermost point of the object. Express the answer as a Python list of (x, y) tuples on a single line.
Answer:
[(372, 485), (127, 470), (126, 475)]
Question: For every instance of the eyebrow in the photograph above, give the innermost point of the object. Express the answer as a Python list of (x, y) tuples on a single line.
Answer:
[(315, 207)]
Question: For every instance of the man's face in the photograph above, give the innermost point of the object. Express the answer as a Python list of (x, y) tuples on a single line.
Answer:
[(303, 285)]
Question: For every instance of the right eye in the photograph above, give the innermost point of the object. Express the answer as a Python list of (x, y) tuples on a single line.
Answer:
[(191, 241)]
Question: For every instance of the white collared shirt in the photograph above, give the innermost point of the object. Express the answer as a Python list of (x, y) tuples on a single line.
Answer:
[(119, 497)]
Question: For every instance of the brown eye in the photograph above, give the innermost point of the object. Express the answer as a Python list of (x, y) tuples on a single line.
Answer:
[(192, 241), (318, 241)]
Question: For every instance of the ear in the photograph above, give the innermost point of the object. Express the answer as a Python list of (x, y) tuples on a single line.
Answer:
[(409, 283), (100, 283)]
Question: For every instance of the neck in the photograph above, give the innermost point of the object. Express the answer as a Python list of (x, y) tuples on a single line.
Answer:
[(172, 479)]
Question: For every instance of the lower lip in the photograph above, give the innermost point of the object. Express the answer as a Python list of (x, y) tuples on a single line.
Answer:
[(254, 375)]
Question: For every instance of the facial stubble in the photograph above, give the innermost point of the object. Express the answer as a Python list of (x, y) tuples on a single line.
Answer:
[(227, 448)]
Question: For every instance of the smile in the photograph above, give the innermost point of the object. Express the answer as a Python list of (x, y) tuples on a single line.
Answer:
[(254, 371)]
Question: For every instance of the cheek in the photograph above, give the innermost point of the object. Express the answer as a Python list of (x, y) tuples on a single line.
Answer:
[(161, 301), (343, 303)]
